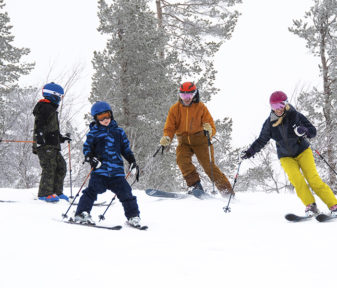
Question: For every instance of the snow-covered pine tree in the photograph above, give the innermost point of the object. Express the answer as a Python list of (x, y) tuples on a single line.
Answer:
[(319, 29), (196, 30), (134, 78), (11, 66), (19, 166)]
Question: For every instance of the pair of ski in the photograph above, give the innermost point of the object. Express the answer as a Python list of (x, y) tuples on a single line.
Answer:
[(200, 194), (320, 217), (103, 203), (115, 227)]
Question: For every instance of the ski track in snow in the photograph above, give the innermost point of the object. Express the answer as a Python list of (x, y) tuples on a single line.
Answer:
[(189, 243)]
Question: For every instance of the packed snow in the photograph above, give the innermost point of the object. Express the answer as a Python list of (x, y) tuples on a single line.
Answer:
[(189, 243)]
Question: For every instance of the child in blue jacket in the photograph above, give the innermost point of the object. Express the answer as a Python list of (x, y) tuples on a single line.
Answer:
[(104, 147)]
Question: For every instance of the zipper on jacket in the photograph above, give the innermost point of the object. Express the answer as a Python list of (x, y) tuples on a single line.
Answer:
[(285, 134), (188, 136)]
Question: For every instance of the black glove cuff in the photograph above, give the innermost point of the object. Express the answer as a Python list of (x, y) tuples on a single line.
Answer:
[(131, 159)]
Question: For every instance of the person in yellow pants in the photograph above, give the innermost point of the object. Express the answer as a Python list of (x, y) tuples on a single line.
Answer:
[(189, 119), (289, 128)]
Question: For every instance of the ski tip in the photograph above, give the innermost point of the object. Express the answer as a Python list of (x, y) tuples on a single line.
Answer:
[(291, 217), (322, 217), (296, 218), (117, 227)]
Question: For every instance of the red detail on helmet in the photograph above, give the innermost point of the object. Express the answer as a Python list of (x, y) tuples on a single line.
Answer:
[(45, 100), (187, 87), (277, 97)]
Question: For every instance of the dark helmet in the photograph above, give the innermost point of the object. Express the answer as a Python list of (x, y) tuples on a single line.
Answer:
[(100, 107), (53, 92)]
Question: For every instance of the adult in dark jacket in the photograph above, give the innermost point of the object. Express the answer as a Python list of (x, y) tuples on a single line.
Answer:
[(289, 128), (104, 147), (47, 146)]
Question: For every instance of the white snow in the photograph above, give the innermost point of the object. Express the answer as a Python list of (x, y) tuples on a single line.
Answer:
[(190, 243)]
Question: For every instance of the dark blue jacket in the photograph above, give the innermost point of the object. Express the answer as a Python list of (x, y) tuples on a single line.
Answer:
[(108, 144), (288, 144)]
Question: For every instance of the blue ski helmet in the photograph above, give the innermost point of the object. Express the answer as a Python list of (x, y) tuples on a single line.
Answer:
[(99, 107), (53, 92)]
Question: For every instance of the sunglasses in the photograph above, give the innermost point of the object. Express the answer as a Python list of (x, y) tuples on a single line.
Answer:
[(104, 115)]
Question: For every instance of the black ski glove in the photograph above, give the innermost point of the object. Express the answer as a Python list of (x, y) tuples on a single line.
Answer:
[(301, 131), (247, 154), (40, 140), (93, 161), (135, 170), (65, 138)]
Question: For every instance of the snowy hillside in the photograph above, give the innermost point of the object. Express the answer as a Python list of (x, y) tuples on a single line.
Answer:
[(190, 243)]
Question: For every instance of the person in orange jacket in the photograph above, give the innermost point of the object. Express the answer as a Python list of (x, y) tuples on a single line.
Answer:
[(189, 118)]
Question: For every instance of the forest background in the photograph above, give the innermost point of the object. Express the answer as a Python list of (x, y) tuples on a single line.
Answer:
[(134, 54)]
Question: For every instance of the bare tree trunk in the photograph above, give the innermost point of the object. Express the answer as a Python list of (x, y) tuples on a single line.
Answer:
[(327, 111), (160, 21), (159, 13)]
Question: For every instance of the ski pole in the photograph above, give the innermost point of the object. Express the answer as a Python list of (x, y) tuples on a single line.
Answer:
[(153, 156), (16, 141), (227, 208), (319, 154), (78, 193), (326, 162), (162, 151), (70, 179), (101, 217), (210, 158)]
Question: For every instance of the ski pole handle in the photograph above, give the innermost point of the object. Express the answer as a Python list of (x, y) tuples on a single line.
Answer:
[(68, 135), (208, 138)]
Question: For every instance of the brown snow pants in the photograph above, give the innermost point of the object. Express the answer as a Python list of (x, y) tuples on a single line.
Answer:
[(197, 145)]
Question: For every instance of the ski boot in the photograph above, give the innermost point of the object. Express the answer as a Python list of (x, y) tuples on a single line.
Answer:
[(50, 198), (333, 210), (64, 197), (196, 187), (311, 210), (134, 221), (84, 218)]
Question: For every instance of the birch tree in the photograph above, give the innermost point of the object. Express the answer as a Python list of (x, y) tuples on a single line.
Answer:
[(319, 29)]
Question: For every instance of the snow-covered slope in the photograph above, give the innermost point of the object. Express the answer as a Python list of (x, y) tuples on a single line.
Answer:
[(190, 243)]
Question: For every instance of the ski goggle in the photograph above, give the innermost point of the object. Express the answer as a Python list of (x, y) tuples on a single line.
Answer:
[(277, 106), (104, 115), (187, 96)]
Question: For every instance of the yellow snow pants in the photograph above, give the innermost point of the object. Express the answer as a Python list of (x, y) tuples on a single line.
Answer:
[(305, 162)]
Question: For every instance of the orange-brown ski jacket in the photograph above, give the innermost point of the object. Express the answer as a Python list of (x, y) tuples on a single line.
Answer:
[(187, 120)]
